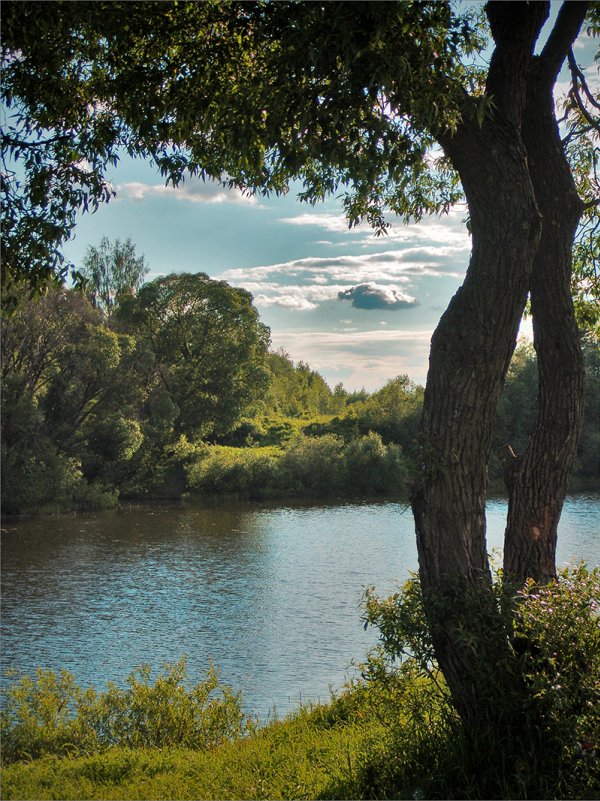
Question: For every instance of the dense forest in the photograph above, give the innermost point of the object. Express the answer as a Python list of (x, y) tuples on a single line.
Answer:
[(127, 390)]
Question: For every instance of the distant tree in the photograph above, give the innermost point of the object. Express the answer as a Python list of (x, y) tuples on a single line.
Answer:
[(299, 391), (516, 414), (587, 464), (393, 412), (209, 346), (112, 271), (68, 381)]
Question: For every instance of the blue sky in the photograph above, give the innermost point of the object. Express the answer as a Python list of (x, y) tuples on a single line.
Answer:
[(359, 309)]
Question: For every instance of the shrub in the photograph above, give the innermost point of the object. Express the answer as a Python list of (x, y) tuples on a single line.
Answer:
[(246, 471), (37, 479), (51, 714), (552, 650), (372, 466), (314, 465)]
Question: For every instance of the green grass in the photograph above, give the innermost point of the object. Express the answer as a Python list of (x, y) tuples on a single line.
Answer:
[(305, 756)]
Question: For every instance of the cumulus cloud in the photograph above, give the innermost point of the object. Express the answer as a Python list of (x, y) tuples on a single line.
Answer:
[(448, 229), (192, 191), (329, 222), (373, 296), (370, 280)]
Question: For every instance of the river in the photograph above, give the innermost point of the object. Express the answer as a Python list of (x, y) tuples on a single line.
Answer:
[(270, 594)]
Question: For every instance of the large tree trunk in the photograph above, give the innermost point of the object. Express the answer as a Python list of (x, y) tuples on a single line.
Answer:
[(470, 353), (537, 480)]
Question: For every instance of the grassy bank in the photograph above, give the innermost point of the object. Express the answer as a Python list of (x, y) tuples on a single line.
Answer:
[(304, 757), (328, 751), (393, 735)]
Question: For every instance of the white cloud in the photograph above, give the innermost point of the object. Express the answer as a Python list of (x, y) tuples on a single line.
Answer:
[(393, 266), (329, 222), (359, 358), (374, 296), (446, 229), (286, 301), (192, 191)]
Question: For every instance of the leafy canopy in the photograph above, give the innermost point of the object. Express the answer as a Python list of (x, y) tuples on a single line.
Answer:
[(347, 97), (237, 92), (112, 271)]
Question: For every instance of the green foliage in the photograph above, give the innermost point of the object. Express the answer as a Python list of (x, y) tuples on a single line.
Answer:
[(314, 465), (88, 410), (209, 347), (356, 114), (393, 411), (249, 472), (305, 756), (298, 391), (307, 466), (37, 477), (111, 272), (371, 466), (551, 650), (587, 462), (68, 382), (517, 412), (51, 714)]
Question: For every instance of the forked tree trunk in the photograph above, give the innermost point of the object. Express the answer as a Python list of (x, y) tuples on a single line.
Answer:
[(470, 353), (537, 480)]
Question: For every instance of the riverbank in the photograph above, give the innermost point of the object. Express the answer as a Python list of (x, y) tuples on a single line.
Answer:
[(330, 751), (393, 734)]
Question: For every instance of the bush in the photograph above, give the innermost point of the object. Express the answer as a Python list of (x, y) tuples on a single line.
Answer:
[(553, 653), (372, 466), (50, 714), (249, 472), (314, 465), (38, 479)]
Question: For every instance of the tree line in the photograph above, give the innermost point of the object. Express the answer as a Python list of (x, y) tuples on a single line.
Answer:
[(164, 388)]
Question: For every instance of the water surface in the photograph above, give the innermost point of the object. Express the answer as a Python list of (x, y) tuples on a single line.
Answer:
[(270, 594)]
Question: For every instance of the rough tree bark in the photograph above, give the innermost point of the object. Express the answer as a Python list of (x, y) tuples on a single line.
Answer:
[(514, 239), (537, 480)]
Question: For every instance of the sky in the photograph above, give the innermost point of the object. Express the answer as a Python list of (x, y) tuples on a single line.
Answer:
[(358, 308)]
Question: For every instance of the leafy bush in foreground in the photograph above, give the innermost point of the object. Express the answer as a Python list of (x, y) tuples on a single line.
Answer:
[(50, 714), (552, 646)]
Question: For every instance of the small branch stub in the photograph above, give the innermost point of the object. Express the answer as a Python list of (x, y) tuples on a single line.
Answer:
[(508, 459)]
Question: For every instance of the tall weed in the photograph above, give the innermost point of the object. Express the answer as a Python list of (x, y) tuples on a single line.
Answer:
[(51, 714)]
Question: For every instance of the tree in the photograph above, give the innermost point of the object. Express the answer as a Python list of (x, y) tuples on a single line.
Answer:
[(355, 98), (210, 348), (393, 412), (112, 271), (66, 379), (297, 390)]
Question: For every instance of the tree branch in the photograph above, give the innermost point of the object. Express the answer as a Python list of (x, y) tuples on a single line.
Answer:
[(515, 27), (566, 28), (579, 77), (13, 142)]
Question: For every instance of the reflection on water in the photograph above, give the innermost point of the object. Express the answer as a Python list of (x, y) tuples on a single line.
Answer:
[(271, 595)]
